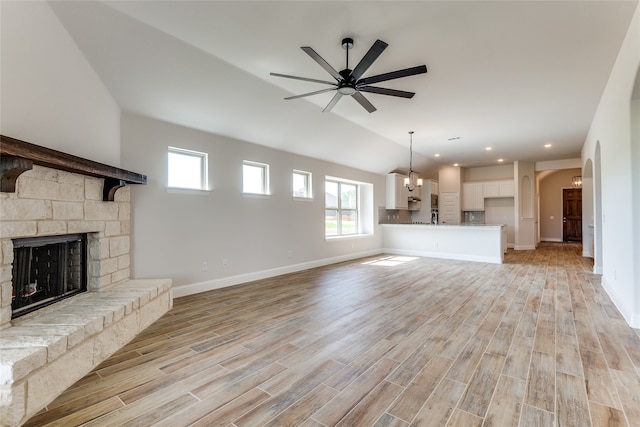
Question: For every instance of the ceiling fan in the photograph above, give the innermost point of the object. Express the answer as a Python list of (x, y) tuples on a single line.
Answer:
[(349, 82)]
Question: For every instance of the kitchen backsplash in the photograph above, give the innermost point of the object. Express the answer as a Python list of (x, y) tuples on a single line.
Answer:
[(474, 217), (393, 216)]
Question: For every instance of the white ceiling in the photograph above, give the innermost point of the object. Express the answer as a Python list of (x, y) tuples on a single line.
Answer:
[(513, 75)]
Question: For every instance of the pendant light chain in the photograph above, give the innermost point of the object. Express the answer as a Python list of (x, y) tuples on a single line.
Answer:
[(411, 182), (410, 153)]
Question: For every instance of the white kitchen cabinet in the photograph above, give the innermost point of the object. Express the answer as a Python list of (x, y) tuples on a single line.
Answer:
[(397, 193), (491, 189), (506, 188), (472, 196), (494, 189)]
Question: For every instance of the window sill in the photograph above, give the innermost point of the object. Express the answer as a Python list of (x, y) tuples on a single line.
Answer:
[(303, 199), (194, 191), (347, 237)]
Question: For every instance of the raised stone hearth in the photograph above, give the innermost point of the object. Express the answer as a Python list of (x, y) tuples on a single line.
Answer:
[(46, 351)]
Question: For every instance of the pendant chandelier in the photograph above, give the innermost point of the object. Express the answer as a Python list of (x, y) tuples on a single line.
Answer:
[(413, 180), (576, 181)]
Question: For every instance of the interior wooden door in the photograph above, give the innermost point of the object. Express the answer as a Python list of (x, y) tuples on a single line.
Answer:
[(572, 214)]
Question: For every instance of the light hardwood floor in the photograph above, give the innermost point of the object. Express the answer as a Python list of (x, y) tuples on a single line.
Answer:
[(379, 342)]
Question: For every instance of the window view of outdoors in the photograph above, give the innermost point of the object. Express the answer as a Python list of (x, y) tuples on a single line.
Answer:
[(254, 179), (341, 208), (301, 184), (185, 170)]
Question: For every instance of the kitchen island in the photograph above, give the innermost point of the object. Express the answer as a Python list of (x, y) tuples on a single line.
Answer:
[(468, 242)]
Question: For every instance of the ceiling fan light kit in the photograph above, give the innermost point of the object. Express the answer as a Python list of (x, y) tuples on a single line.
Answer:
[(349, 82)]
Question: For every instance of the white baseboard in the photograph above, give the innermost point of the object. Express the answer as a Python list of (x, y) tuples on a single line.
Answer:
[(196, 288), (551, 239), (633, 319), (525, 247)]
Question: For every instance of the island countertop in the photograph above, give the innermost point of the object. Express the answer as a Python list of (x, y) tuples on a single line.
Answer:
[(469, 242), (464, 225)]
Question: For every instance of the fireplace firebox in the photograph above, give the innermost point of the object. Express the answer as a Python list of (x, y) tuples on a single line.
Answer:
[(47, 269)]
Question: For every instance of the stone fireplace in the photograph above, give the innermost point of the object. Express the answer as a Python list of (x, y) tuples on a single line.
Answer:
[(51, 202), (48, 349)]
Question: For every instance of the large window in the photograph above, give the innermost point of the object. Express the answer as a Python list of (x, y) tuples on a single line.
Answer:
[(341, 208), (302, 184), (187, 169), (255, 178)]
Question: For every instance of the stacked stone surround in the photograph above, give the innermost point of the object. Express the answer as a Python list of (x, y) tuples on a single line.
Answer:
[(44, 352), (50, 202)]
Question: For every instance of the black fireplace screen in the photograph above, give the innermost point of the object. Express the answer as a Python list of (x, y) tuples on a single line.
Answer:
[(46, 270)]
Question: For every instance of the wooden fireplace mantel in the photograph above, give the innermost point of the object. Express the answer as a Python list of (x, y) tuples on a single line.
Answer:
[(19, 156)]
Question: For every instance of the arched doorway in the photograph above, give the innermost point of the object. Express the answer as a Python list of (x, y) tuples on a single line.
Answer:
[(588, 231), (597, 203)]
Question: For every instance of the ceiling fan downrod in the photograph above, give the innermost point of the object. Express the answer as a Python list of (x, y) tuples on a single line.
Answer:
[(347, 43)]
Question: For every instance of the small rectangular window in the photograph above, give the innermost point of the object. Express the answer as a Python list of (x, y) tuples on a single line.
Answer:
[(302, 184), (187, 169), (255, 178)]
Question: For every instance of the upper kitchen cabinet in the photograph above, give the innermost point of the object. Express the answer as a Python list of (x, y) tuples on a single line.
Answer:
[(397, 193), (434, 187), (472, 196), (494, 189)]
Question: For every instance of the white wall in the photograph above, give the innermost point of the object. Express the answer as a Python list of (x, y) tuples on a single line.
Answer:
[(488, 173), (174, 233), (611, 127), (449, 179), (501, 211), (50, 95)]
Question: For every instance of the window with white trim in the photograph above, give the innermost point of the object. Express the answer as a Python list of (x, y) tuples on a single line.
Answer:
[(187, 169), (255, 177), (302, 184), (341, 208)]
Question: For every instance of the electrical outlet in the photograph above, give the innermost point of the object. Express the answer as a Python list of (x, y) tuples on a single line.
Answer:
[(289, 254), (205, 267), (225, 263)]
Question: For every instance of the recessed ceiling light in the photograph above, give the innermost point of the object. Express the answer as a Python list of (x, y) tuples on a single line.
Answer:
[(547, 145), (456, 164), (436, 155), (501, 160), (488, 148)]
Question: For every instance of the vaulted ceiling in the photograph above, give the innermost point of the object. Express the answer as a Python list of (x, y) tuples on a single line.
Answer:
[(511, 75)]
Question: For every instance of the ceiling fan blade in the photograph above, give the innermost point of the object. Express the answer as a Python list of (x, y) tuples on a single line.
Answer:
[(332, 103), (385, 91), (302, 78), (420, 69), (324, 64), (368, 59), (364, 102), (310, 93)]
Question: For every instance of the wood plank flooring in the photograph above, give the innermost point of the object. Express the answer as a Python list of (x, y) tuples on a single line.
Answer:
[(382, 341)]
